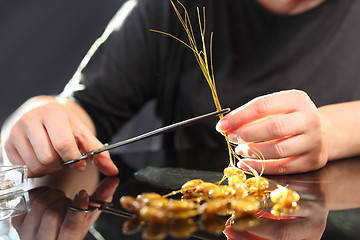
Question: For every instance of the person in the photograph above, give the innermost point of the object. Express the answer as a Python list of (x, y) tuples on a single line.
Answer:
[(260, 48)]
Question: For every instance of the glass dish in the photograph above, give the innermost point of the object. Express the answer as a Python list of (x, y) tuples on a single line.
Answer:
[(12, 179), (14, 204)]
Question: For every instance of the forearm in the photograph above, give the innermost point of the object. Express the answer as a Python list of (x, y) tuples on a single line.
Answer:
[(342, 126)]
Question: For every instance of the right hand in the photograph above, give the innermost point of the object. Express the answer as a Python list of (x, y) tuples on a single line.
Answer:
[(45, 132), (285, 127)]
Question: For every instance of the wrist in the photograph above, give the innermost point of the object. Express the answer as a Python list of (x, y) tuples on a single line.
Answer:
[(326, 131), (341, 123)]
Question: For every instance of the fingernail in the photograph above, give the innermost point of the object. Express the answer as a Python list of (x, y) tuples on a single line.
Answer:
[(82, 167), (233, 138), (239, 151), (82, 195), (243, 150), (222, 125), (242, 165), (95, 161)]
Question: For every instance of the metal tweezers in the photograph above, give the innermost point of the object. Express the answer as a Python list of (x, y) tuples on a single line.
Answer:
[(156, 132), (96, 205)]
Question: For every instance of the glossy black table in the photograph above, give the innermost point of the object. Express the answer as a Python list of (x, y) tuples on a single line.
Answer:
[(329, 205)]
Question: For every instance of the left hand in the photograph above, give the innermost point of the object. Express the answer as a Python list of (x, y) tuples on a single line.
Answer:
[(286, 127), (50, 217)]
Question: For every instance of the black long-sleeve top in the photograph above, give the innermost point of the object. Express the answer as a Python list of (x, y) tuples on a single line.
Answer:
[(255, 52)]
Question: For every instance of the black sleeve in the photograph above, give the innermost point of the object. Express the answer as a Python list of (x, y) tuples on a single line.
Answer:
[(117, 76)]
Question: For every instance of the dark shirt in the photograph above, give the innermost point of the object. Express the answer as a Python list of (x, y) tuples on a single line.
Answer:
[(255, 52)]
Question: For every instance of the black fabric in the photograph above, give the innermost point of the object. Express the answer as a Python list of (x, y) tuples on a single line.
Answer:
[(255, 52)]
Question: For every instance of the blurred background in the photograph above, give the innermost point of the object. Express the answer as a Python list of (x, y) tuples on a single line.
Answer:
[(42, 43)]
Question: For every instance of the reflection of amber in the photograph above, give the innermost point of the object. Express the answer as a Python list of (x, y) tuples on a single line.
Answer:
[(279, 210), (181, 228), (132, 226), (244, 224), (206, 206)]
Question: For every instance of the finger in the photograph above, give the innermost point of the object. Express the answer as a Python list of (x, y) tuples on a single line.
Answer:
[(106, 188), (10, 146), (290, 165), (276, 149), (12, 154), (73, 225), (31, 127), (35, 193), (104, 192), (264, 106), (52, 220), (32, 221), (275, 127), (17, 222), (62, 138), (19, 147), (26, 152), (105, 165), (88, 142), (43, 148)]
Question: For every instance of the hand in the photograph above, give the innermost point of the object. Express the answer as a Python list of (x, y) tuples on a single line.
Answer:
[(50, 218), (45, 132), (286, 127)]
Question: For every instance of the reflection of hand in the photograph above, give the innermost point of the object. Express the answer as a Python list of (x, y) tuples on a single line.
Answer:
[(45, 131), (301, 227), (50, 218), (286, 127), (307, 223), (275, 229)]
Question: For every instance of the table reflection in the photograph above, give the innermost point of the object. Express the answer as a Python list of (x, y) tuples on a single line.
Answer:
[(329, 205)]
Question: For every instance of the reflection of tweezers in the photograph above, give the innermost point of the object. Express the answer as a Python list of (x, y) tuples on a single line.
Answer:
[(96, 205), (156, 132)]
